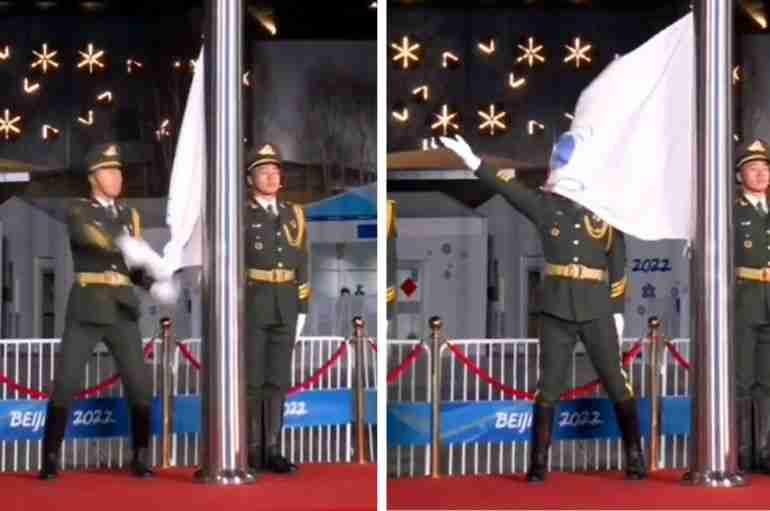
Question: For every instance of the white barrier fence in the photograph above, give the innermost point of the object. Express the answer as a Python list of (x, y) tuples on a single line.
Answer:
[(515, 363), (31, 364)]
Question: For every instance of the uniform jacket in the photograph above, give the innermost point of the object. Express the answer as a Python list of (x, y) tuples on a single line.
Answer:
[(276, 243), (92, 230), (752, 250), (569, 234)]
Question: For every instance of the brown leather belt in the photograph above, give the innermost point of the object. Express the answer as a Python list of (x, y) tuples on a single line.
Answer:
[(274, 276), (575, 271), (107, 278), (758, 274)]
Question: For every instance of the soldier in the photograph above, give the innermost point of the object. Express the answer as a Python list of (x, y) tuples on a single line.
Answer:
[(392, 270), (584, 285), (277, 292), (752, 305), (102, 306)]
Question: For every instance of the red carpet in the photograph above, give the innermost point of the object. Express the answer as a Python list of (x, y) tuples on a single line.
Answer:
[(602, 490), (314, 487)]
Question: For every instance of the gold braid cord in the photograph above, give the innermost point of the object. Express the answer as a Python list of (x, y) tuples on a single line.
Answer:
[(136, 224), (297, 241), (618, 289), (597, 233), (391, 219)]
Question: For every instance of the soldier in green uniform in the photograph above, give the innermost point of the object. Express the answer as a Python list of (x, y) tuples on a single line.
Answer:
[(102, 306), (392, 269), (752, 305), (277, 292), (584, 286)]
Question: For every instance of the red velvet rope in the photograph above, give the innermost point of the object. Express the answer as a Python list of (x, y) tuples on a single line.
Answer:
[(316, 376), (188, 355), (409, 359), (677, 356), (37, 394), (583, 390)]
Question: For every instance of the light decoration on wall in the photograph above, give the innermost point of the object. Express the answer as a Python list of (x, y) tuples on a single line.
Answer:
[(104, 98), (133, 65), (448, 58), (401, 115), (45, 59), (445, 120), (422, 92), (515, 83), (491, 120), (531, 53), (177, 64), (88, 120), (9, 124), (406, 52), (488, 48), (48, 132), (534, 127), (193, 65), (91, 58), (31, 87), (429, 144), (736, 74), (578, 53), (246, 80), (5, 53), (163, 131)]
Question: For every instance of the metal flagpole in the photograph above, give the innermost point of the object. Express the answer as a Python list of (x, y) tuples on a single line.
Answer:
[(224, 423), (713, 445)]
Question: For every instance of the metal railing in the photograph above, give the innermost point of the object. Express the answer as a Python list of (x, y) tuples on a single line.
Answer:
[(31, 364), (515, 362)]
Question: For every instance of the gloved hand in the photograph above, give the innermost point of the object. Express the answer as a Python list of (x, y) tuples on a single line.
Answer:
[(300, 324), (619, 324), (165, 292), (136, 252), (461, 148)]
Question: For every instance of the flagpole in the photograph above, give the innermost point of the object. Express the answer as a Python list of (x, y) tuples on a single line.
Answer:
[(224, 425), (713, 443)]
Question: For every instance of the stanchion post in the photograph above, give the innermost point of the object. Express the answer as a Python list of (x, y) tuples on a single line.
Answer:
[(358, 343), (436, 342), (166, 389), (654, 376)]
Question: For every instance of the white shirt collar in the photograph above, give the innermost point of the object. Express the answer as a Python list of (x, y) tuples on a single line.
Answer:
[(104, 202), (754, 200), (265, 202)]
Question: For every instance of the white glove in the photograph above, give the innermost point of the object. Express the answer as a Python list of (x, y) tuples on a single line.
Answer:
[(165, 292), (619, 324), (300, 324), (136, 252), (461, 148)]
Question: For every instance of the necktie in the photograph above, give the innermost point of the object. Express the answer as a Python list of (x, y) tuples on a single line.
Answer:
[(762, 208), (112, 210), (271, 209)]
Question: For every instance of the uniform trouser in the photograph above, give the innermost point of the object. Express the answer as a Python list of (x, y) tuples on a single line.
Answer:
[(557, 343), (125, 343), (268, 350), (752, 373)]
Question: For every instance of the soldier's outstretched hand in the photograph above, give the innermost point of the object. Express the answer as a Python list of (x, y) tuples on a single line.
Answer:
[(461, 148)]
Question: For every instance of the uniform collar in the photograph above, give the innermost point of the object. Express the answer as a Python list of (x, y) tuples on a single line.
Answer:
[(105, 203), (754, 200)]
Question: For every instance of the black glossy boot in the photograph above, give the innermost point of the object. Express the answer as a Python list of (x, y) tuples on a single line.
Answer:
[(140, 429), (628, 420), (274, 417), (55, 425), (541, 442)]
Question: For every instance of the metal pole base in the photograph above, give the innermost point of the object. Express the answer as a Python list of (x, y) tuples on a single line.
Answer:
[(225, 478), (714, 479)]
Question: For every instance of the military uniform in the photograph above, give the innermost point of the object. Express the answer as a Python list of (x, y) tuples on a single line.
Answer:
[(584, 285), (102, 306), (276, 291), (752, 320), (391, 293)]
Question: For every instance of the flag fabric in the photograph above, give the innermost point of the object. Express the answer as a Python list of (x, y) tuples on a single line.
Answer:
[(187, 186), (628, 155)]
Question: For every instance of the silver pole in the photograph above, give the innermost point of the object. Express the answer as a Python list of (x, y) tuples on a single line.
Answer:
[(224, 423), (714, 461)]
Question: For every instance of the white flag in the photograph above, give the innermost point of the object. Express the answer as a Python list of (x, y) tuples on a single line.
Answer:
[(187, 186), (628, 156)]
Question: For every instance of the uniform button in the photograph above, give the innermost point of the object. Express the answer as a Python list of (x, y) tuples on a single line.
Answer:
[(279, 249), (577, 226), (114, 267), (576, 259), (280, 265), (278, 234), (576, 242)]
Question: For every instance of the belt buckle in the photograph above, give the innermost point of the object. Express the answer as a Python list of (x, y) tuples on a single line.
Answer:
[(111, 278), (274, 275), (574, 271), (764, 275)]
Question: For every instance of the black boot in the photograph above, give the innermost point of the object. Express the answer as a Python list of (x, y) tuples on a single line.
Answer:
[(254, 452), (55, 425), (274, 421), (541, 443), (762, 434), (743, 422), (140, 429), (628, 420)]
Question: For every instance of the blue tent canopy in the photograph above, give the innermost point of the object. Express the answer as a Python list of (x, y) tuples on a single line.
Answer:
[(357, 204)]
